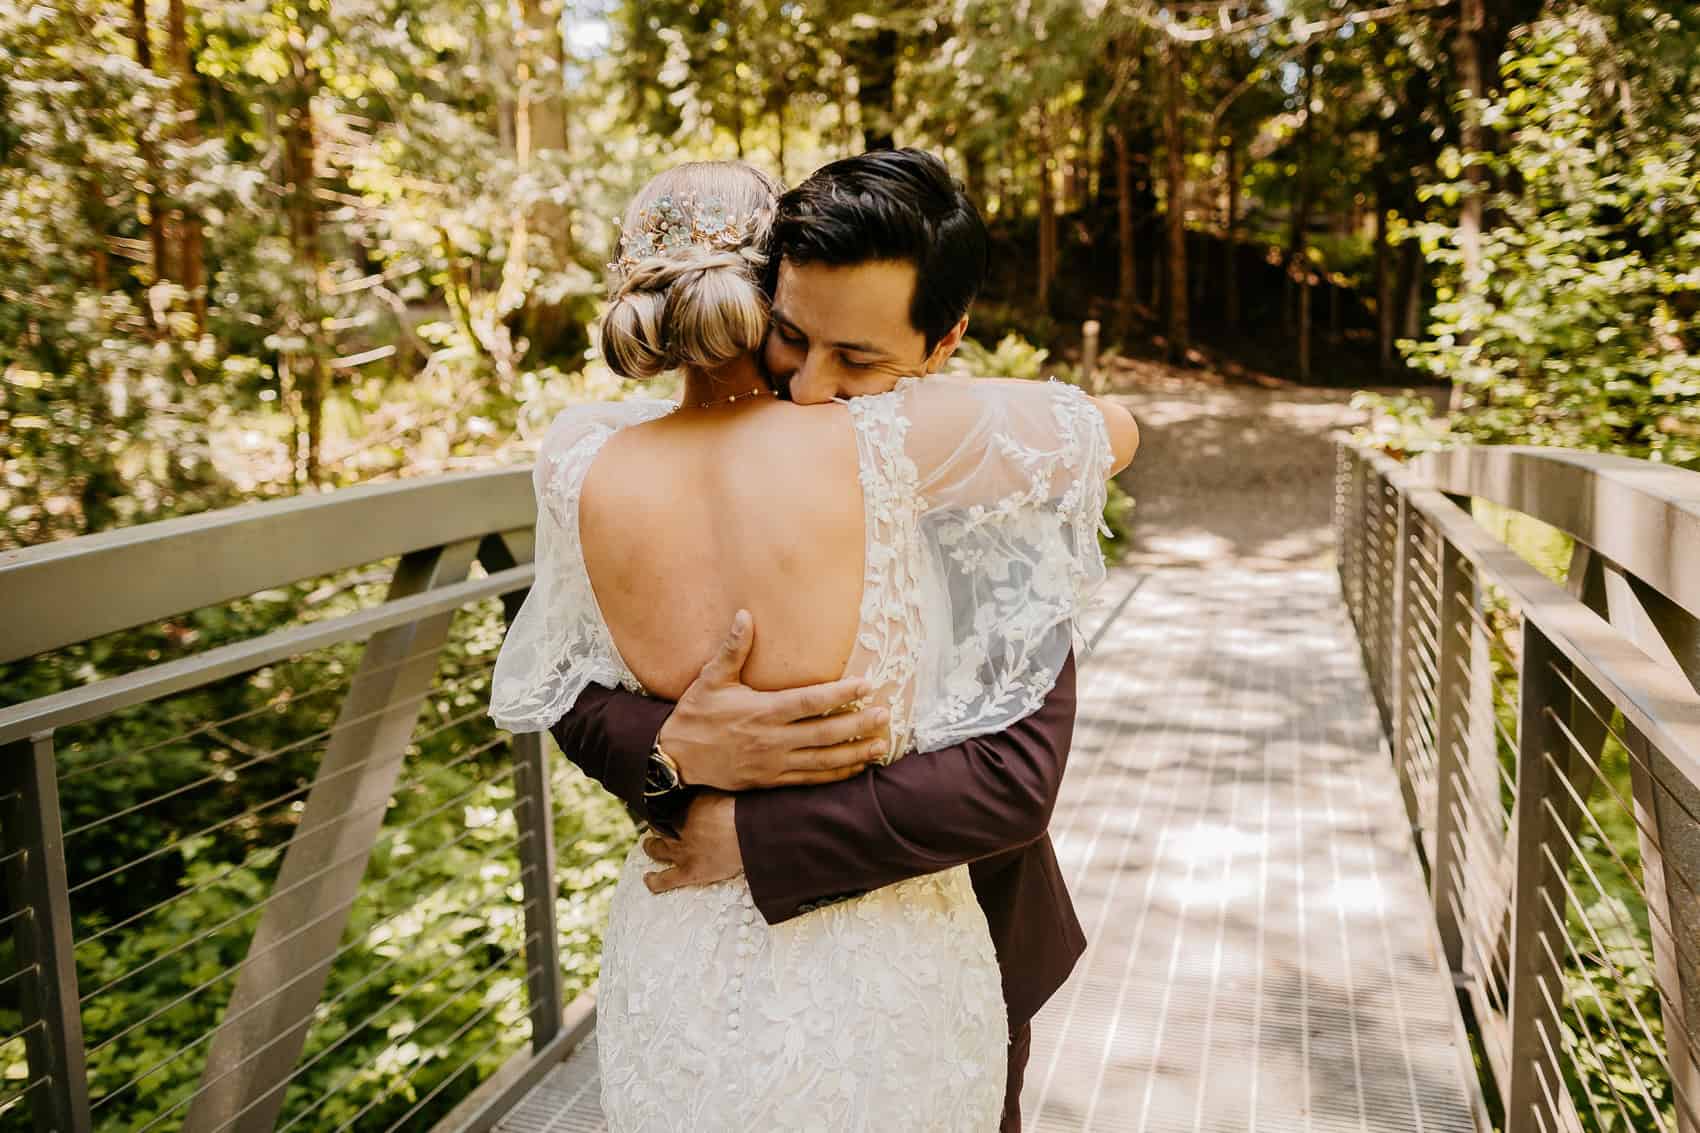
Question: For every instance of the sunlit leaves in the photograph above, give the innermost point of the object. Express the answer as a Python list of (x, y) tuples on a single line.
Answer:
[(1582, 331)]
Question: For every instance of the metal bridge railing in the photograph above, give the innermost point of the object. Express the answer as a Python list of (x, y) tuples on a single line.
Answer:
[(1547, 739), (295, 879)]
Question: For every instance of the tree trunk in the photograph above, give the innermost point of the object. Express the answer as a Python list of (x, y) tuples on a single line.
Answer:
[(1297, 235), (973, 176), (312, 370), (876, 70), (1127, 268), (543, 135), (158, 266), (1198, 266), (1304, 327), (1383, 268), (97, 215), (1108, 155), (1472, 82), (547, 114), (1230, 240), (190, 260), (1179, 333), (1411, 288), (1047, 215)]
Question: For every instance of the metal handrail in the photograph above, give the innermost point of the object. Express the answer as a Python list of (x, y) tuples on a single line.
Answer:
[(1642, 515), (441, 532), (1509, 702), (61, 593)]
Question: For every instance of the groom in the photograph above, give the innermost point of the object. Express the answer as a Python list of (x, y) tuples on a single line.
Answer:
[(876, 260)]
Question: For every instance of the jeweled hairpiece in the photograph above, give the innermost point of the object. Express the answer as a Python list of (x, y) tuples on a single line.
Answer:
[(670, 223)]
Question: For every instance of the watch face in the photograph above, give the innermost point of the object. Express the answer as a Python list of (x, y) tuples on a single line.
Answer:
[(660, 777)]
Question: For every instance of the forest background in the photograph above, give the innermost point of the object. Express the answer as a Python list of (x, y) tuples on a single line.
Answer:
[(255, 248)]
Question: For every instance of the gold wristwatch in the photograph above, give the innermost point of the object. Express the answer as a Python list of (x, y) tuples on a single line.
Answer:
[(663, 776)]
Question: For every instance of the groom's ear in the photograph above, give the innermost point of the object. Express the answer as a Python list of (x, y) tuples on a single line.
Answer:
[(947, 346)]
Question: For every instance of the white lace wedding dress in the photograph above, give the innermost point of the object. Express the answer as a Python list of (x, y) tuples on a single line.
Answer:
[(982, 502)]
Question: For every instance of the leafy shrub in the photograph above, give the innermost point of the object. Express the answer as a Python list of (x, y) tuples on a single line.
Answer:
[(1013, 357), (1579, 331)]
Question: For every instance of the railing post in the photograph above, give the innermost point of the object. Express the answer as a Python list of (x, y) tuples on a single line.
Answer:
[(1360, 543), (1536, 1101), (1401, 642), (1385, 568), (36, 880), (535, 816), (1451, 708), (1338, 519), (1665, 803), (1343, 534), (1089, 375)]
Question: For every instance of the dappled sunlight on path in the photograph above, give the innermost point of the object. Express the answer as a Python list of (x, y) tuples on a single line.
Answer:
[(1261, 955), (1231, 473)]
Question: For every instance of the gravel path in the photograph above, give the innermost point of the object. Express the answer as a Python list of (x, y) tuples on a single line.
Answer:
[(1231, 474)]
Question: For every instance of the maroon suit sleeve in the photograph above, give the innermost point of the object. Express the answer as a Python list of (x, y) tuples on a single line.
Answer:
[(808, 846), (609, 734)]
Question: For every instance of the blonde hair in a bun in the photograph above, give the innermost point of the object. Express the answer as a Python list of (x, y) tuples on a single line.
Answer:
[(699, 303)]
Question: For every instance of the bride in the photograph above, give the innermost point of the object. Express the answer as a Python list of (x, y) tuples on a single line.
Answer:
[(937, 540)]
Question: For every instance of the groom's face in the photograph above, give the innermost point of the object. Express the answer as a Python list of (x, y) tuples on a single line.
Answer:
[(844, 331)]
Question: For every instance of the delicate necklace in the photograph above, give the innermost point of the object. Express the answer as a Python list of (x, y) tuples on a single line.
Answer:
[(728, 400)]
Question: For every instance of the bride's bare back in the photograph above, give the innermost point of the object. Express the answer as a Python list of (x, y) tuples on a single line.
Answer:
[(689, 518)]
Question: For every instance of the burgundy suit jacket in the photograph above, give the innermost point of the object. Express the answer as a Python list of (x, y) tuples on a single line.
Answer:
[(986, 803)]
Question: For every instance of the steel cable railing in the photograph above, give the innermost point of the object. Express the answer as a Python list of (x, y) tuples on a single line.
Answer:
[(286, 698), (1576, 919), (264, 757), (260, 854), (283, 989), (158, 1011)]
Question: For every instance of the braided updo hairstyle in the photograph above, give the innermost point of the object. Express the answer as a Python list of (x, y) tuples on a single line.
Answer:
[(697, 302)]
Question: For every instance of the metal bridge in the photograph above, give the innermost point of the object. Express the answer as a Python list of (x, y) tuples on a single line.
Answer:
[(1407, 846)]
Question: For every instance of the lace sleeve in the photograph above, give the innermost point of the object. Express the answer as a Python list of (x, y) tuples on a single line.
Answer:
[(1012, 479), (558, 642)]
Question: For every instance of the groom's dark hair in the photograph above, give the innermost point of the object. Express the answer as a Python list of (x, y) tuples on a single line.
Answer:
[(890, 204)]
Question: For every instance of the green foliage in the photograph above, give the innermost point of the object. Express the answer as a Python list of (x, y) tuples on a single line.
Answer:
[(1118, 516), (1402, 424), (99, 385), (1013, 357), (989, 322), (1579, 331)]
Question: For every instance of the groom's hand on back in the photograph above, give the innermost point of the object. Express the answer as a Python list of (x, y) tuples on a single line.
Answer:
[(726, 735)]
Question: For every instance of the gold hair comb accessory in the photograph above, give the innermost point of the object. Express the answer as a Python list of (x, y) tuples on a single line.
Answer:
[(669, 223)]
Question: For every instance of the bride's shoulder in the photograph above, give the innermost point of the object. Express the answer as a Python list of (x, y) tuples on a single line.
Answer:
[(960, 394), (956, 407), (598, 418), (578, 430), (587, 415)]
